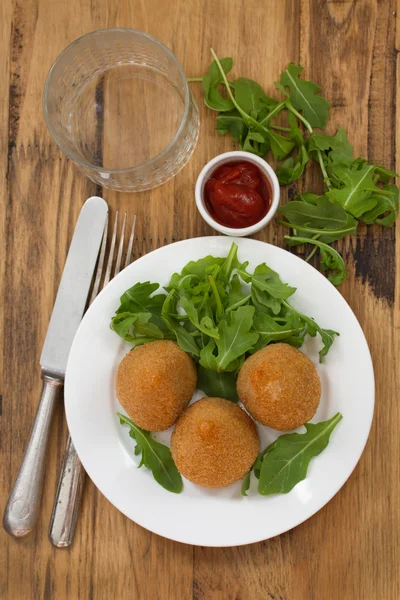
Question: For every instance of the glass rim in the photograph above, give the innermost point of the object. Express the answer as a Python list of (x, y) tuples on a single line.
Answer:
[(139, 166)]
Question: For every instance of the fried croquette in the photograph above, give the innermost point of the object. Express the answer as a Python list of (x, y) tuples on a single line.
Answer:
[(155, 382), (214, 443), (280, 387)]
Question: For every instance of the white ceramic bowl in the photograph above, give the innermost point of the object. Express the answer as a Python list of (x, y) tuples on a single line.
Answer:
[(227, 157)]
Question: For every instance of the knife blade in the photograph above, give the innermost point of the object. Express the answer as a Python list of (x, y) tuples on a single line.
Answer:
[(22, 508)]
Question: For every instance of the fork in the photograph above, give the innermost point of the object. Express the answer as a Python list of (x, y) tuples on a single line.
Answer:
[(72, 476)]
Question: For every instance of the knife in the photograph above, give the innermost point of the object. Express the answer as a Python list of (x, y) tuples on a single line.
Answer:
[(22, 508)]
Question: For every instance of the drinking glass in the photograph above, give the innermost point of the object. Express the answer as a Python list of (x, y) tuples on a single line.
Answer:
[(117, 102)]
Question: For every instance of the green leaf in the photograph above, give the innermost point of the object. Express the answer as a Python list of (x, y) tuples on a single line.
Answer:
[(330, 260), (232, 123), (131, 325), (295, 132), (338, 142), (303, 96), (211, 81), (247, 118), (199, 268), (292, 169), (281, 146), (205, 324), (235, 339), (356, 195), (387, 203), (267, 280), (327, 335), (184, 339), (256, 143), (218, 385), (270, 330), (155, 456), (286, 461), (139, 299), (246, 483), (249, 95), (385, 175), (237, 297), (322, 217)]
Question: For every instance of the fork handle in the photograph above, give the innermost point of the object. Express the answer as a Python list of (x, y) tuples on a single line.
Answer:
[(67, 500), (23, 504)]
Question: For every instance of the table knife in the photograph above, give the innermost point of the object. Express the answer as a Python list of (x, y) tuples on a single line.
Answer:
[(22, 508)]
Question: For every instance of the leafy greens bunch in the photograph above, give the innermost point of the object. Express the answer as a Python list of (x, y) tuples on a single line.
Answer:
[(219, 312), (355, 191)]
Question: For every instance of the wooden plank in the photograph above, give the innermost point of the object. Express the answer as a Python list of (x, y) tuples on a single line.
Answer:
[(348, 550)]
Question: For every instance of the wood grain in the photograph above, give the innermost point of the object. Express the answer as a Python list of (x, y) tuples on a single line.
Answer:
[(350, 549)]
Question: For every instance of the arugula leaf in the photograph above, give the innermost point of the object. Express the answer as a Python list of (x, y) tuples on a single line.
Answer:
[(285, 462), (318, 216), (292, 169), (155, 456), (255, 143), (217, 384), (232, 123), (246, 483), (249, 95), (267, 280), (327, 335), (356, 195), (131, 325), (339, 143), (205, 324), (387, 203), (269, 330), (237, 297), (184, 339), (235, 339), (303, 96), (212, 97), (139, 299), (281, 146)]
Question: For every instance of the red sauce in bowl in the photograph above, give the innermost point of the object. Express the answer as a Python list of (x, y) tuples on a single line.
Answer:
[(238, 194)]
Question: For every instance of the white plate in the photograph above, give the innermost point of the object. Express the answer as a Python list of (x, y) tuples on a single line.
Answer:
[(197, 515)]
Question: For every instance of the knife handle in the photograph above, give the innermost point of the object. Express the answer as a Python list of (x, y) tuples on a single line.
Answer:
[(23, 504), (67, 500)]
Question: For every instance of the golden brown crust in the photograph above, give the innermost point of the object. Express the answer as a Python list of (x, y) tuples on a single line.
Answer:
[(155, 382), (280, 387), (214, 443)]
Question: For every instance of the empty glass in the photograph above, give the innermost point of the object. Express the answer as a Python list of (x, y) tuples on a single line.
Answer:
[(117, 103)]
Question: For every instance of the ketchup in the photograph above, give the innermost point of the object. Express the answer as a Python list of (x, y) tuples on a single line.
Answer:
[(238, 194)]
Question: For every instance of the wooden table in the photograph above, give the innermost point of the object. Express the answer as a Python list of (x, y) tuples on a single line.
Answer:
[(350, 549)]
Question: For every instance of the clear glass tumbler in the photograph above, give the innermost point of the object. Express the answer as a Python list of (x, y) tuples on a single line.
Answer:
[(117, 103)]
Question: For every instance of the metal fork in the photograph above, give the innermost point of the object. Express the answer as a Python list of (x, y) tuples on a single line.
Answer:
[(72, 476)]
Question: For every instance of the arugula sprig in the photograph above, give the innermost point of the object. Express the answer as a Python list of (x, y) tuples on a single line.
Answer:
[(356, 191), (154, 456), (219, 312), (284, 463)]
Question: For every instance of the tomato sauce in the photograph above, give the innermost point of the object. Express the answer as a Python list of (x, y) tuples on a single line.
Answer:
[(238, 194)]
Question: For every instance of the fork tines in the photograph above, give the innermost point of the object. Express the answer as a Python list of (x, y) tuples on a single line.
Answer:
[(108, 272)]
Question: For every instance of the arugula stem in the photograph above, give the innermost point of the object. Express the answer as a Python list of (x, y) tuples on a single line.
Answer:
[(192, 79), (298, 115), (323, 170), (247, 118), (313, 251), (280, 128), (220, 308), (273, 113), (310, 130)]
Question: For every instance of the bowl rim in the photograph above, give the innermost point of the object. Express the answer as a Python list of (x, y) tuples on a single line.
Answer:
[(226, 157), (164, 151)]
